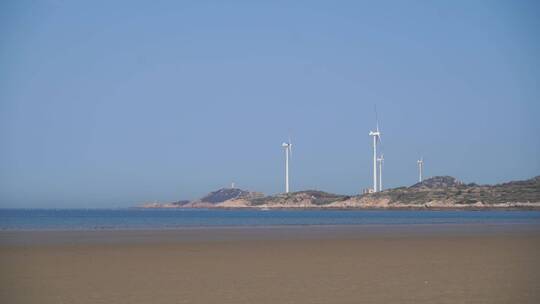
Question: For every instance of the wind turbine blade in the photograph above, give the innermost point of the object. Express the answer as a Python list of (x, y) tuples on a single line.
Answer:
[(290, 147), (377, 122), (376, 118), (290, 150)]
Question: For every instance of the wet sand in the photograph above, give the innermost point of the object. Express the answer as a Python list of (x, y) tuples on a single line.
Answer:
[(428, 264)]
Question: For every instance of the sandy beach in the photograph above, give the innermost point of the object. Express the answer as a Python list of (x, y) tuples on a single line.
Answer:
[(443, 264)]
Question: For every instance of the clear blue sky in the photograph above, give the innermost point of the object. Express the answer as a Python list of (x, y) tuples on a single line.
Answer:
[(111, 103)]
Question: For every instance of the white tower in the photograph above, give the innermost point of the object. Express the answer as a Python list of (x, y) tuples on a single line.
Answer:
[(420, 168), (376, 138), (288, 151), (380, 160)]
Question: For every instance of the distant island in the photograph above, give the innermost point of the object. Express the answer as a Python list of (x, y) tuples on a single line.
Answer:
[(440, 192)]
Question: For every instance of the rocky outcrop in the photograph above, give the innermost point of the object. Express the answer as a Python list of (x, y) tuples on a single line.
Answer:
[(438, 182), (226, 194), (177, 204), (447, 192), (222, 198), (301, 199)]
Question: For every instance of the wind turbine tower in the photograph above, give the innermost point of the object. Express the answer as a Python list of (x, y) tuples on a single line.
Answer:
[(420, 168), (380, 160), (376, 139), (288, 152)]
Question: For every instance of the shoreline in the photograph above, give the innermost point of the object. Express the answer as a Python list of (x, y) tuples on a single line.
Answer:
[(404, 208), (188, 219), (263, 233)]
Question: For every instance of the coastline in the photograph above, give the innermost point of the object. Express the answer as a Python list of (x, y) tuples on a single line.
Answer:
[(184, 219), (438, 192), (528, 207), (186, 234)]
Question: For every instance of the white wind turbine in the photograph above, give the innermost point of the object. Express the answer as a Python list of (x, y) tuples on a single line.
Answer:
[(380, 160), (288, 152), (376, 139), (420, 163)]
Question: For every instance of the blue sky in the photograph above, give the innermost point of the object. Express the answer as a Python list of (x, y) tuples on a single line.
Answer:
[(113, 103)]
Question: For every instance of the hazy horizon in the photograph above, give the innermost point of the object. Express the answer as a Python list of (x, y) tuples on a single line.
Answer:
[(113, 104)]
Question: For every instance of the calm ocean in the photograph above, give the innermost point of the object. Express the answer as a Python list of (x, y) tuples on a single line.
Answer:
[(76, 219)]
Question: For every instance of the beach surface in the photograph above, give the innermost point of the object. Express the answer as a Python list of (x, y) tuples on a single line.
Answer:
[(353, 264)]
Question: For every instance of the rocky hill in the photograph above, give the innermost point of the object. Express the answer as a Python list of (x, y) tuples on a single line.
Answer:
[(225, 194), (222, 198), (218, 198), (301, 199), (438, 192), (438, 182), (447, 192)]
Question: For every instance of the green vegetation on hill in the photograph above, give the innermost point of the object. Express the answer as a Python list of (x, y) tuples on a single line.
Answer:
[(315, 197), (450, 190)]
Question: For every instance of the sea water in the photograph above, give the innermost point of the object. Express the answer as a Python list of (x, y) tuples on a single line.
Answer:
[(101, 219)]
